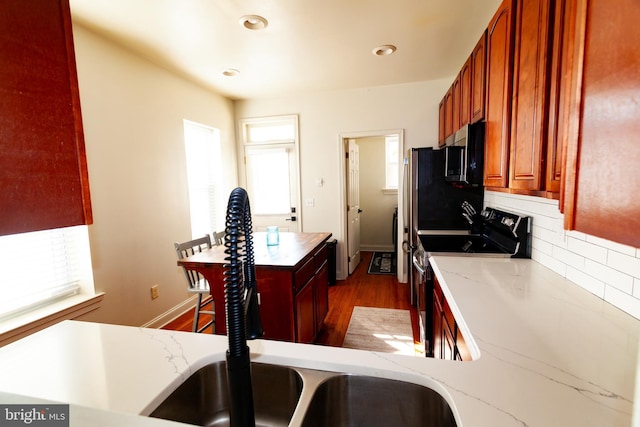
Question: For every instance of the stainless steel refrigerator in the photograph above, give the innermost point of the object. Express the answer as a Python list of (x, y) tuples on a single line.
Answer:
[(433, 204)]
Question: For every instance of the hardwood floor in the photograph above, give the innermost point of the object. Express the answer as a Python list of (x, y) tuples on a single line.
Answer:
[(359, 289)]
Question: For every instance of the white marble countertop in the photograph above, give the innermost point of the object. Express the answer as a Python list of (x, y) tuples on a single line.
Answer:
[(549, 354)]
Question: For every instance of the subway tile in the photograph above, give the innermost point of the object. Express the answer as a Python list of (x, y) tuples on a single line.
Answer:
[(609, 276), (542, 246), (588, 250), (570, 258), (585, 281), (550, 262), (549, 236), (636, 288), (618, 247), (546, 222), (577, 235), (624, 302), (625, 263)]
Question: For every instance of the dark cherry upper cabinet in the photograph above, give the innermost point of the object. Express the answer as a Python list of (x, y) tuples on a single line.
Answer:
[(455, 102), (498, 105), (448, 113), (558, 97), (441, 114), (604, 155), (465, 93), (530, 95), (43, 173), (478, 80)]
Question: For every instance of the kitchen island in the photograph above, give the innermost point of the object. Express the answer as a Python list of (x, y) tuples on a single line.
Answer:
[(546, 353), (292, 278)]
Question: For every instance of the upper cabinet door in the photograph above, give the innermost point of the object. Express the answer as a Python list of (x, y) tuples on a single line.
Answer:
[(448, 113), (603, 193), (498, 105), (455, 96), (441, 123), (558, 96), (478, 80), (44, 182), (465, 93), (530, 95)]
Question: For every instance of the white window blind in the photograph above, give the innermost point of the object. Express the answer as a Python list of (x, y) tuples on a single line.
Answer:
[(41, 267), (204, 176)]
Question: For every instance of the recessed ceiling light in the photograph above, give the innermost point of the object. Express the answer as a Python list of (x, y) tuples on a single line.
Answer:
[(384, 50), (230, 72), (253, 22)]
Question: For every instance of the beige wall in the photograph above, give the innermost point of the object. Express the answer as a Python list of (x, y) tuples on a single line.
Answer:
[(377, 207), (324, 116), (133, 117)]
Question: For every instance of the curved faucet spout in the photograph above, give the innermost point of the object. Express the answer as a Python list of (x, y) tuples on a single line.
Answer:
[(242, 300)]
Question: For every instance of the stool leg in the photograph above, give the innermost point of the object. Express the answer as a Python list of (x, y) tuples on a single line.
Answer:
[(196, 315)]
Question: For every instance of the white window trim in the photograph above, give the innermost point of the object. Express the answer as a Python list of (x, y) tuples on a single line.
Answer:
[(26, 324)]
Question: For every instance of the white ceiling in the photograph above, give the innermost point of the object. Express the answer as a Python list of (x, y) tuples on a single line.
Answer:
[(309, 45)]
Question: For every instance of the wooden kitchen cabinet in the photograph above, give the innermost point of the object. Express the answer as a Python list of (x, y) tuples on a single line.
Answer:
[(441, 115), (464, 104), (448, 113), (559, 96), (529, 117), (456, 99), (292, 280), (305, 320), (603, 154), (44, 181), (478, 79), (498, 95), (448, 342)]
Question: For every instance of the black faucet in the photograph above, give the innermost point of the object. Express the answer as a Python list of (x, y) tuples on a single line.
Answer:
[(243, 314)]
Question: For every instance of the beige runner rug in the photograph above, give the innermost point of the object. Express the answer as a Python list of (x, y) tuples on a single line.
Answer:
[(385, 330)]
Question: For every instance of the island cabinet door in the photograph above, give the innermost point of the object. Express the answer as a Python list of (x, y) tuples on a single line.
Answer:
[(305, 320), (321, 290), (276, 310)]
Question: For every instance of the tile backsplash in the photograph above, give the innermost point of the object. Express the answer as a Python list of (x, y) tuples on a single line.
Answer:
[(607, 269)]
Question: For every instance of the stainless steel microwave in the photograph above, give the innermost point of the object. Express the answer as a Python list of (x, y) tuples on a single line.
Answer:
[(464, 156)]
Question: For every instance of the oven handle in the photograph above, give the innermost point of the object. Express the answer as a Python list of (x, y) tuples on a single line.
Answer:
[(418, 265)]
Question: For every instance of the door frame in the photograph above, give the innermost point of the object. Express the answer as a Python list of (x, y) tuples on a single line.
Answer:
[(342, 250)]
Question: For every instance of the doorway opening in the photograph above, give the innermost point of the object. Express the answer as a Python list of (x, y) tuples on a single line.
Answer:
[(350, 202)]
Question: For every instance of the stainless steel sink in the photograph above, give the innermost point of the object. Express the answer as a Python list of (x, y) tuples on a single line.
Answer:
[(202, 399), (287, 396), (356, 400)]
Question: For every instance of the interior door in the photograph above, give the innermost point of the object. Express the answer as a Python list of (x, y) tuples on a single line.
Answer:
[(272, 185), (353, 205)]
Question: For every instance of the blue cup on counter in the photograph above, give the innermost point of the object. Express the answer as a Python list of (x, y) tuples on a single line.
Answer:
[(273, 237)]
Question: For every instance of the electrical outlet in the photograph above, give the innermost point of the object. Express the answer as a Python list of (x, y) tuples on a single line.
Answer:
[(154, 292)]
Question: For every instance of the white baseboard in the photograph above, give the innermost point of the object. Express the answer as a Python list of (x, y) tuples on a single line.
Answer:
[(172, 314), (378, 248)]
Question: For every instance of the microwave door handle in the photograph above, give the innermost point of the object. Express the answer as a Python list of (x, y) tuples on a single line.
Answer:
[(463, 161)]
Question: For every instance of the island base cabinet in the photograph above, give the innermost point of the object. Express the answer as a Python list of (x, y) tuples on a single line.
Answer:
[(305, 319)]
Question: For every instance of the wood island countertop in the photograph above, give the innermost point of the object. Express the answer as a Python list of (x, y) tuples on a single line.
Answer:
[(289, 253)]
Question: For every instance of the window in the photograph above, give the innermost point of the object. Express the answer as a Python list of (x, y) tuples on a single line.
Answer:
[(391, 144), (62, 269), (204, 177), (270, 149)]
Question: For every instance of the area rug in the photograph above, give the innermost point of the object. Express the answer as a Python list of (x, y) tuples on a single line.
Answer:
[(382, 263), (385, 330)]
